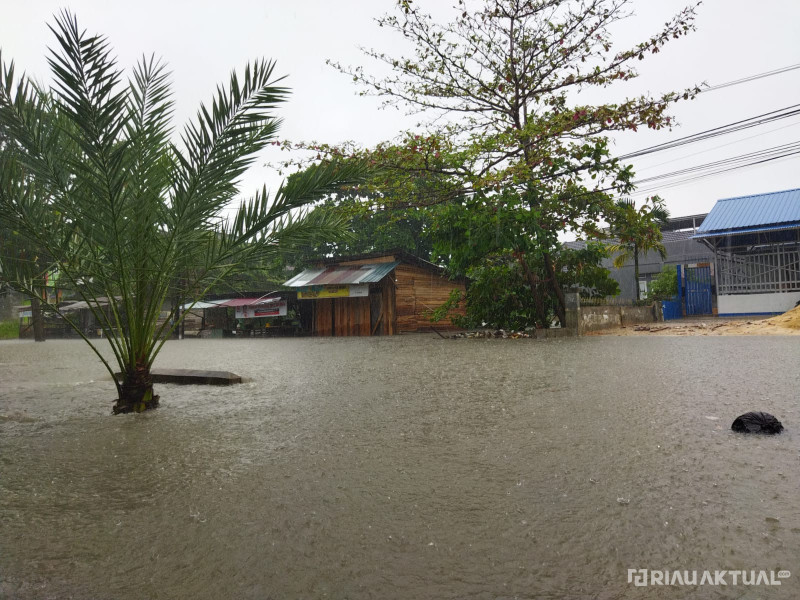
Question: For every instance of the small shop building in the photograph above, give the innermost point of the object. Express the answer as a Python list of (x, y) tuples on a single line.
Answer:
[(269, 313), (375, 294)]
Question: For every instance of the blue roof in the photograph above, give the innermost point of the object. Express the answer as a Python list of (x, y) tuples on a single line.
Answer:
[(748, 214)]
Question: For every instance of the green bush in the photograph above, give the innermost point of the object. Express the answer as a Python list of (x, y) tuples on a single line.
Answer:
[(499, 294), (665, 284), (9, 330)]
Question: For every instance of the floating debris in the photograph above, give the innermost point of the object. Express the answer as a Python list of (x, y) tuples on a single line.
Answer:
[(757, 422), (493, 334)]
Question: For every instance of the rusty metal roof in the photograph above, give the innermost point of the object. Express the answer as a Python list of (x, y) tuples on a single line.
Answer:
[(343, 274)]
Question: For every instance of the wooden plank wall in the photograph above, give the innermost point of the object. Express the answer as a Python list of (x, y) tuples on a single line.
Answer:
[(419, 291), (389, 308), (351, 316), (369, 261), (323, 316), (341, 317)]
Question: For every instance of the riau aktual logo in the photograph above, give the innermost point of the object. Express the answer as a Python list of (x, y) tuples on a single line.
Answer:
[(645, 577)]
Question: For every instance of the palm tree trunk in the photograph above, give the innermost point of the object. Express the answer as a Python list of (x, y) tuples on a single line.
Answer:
[(136, 391), (636, 269), (37, 316)]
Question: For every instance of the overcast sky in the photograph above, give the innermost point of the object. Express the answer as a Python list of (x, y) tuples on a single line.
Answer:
[(203, 40)]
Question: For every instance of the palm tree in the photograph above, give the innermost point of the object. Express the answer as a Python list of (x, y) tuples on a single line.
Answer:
[(637, 231), (130, 218)]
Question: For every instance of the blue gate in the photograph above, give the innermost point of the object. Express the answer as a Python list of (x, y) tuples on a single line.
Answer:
[(698, 289), (671, 309)]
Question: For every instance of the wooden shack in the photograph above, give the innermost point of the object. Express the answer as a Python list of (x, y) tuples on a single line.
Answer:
[(376, 294)]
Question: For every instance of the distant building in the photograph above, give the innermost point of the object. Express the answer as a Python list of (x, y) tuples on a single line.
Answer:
[(377, 294), (755, 246), (681, 248)]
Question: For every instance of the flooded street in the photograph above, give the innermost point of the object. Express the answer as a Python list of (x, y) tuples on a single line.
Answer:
[(400, 468)]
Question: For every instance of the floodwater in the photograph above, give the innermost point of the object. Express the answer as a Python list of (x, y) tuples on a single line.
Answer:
[(409, 467)]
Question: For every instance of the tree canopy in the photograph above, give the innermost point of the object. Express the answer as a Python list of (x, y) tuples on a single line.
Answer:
[(509, 141), (637, 231)]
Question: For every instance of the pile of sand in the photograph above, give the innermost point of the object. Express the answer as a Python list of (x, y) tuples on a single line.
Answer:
[(786, 324), (790, 319)]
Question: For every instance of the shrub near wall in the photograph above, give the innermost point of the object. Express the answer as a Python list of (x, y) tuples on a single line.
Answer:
[(9, 330)]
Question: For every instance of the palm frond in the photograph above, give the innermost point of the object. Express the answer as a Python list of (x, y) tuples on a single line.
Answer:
[(220, 145), (92, 185), (316, 182)]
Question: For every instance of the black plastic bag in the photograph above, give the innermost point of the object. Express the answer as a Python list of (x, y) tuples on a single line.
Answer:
[(757, 422)]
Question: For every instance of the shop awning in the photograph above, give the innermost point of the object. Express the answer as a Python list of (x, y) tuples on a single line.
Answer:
[(233, 302)]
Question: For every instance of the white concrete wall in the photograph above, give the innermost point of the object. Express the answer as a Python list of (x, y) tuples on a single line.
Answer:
[(749, 304)]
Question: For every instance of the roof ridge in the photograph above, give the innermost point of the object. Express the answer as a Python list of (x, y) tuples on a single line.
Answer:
[(797, 189)]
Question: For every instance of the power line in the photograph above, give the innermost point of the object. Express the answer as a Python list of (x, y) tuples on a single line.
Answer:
[(731, 127), (714, 168), (778, 151), (744, 139), (775, 115), (759, 160), (751, 78)]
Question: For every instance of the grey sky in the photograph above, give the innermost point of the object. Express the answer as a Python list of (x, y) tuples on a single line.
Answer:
[(203, 40)]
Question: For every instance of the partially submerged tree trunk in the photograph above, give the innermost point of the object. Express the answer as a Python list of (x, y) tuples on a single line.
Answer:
[(37, 316), (136, 391), (534, 282), (561, 304)]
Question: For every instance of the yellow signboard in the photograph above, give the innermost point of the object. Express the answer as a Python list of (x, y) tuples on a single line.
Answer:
[(334, 291), (329, 291)]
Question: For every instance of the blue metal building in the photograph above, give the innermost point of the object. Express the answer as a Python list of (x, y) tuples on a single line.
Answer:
[(755, 242)]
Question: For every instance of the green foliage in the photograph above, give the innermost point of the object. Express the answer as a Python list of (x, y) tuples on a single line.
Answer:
[(509, 152), (637, 231), (499, 293), (665, 285), (582, 270), (93, 183), (9, 330), (375, 228)]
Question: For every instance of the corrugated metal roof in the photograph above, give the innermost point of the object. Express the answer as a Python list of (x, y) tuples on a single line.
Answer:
[(759, 212), (761, 229), (343, 274), (245, 301), (204, 304), (230, 302), (676, 236)]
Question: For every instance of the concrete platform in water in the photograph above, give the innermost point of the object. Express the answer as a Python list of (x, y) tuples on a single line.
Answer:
[(193, 377)]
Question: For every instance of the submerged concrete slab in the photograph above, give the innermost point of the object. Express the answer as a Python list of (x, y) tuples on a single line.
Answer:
[(193, 377)]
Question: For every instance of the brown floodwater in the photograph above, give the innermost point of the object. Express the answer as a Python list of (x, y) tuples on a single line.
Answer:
[(408, 467)]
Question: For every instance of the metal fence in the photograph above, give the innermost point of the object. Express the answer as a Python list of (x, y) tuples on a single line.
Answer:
[(767, 269)]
